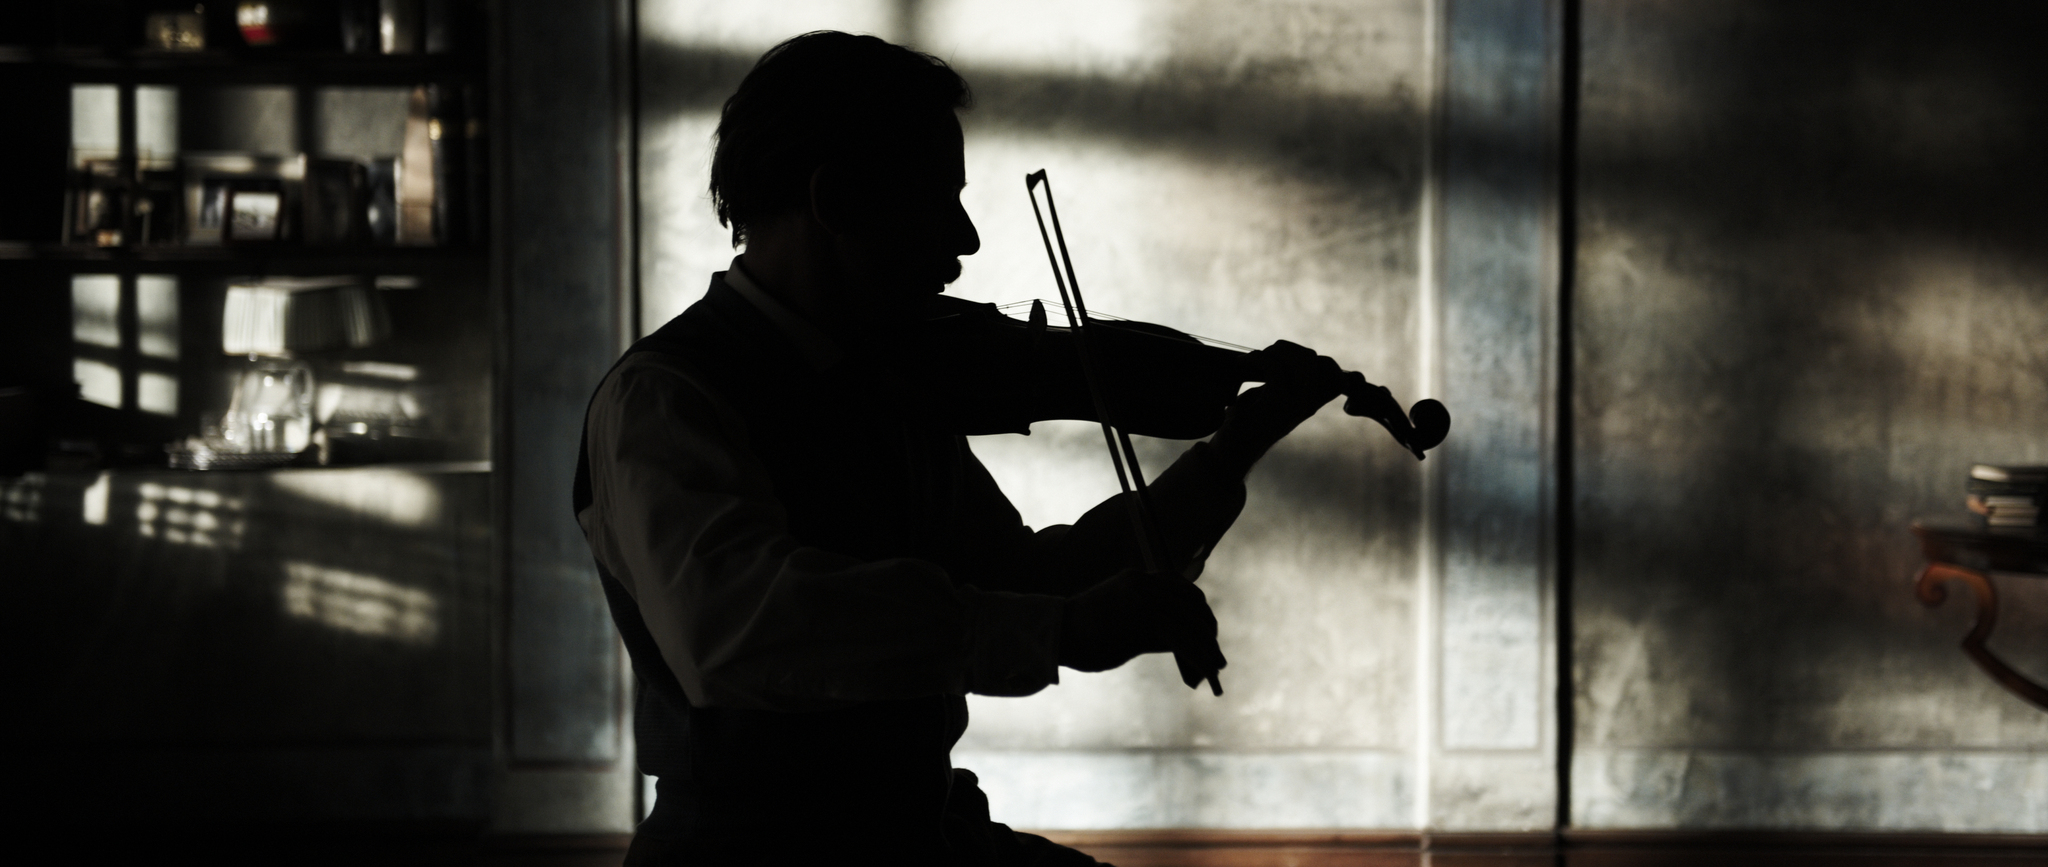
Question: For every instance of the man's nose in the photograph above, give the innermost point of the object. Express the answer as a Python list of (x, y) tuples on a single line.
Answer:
[(967, 241)]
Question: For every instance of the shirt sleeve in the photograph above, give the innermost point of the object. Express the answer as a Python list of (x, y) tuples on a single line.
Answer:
[(684, 516), (1196, 500)]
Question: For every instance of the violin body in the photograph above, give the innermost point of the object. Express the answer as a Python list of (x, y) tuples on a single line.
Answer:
[(998, 374), (982, 372)]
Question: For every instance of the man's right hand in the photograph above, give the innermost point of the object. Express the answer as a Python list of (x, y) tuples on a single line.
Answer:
[(1137, 612)]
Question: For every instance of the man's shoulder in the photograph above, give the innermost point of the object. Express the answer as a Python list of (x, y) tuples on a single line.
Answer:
[(653, 391), (658, 370), (720, 313)]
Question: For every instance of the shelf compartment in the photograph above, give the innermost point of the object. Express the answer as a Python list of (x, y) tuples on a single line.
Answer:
[(87, 66), (280, 257)]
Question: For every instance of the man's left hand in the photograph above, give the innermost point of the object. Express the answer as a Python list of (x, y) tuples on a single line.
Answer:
[(1298, 383)]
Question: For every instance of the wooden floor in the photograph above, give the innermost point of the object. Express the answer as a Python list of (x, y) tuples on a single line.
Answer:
[(1212, 849), (1573, 849), (1351, 849)]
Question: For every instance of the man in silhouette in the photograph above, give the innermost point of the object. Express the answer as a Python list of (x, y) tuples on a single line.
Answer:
[(808, 576)]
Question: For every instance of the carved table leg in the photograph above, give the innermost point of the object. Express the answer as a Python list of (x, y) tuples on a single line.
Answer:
[(1932, 591)]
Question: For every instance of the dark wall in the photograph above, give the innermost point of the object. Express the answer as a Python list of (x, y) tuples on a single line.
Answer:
[(1813, 292), (244, 648)]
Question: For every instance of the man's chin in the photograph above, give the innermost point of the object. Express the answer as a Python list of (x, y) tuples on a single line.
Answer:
[(933, 282), (914, 298), (907, 289)]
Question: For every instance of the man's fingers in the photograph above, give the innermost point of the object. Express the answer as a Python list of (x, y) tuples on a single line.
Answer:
[(1134, 613), (1300, 377), (1190, 629), (1287, 349), (1295, 359), (1191, 621), (1198, 664)]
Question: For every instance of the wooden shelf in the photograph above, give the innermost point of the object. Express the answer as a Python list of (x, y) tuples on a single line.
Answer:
[(243, 68), (425, 468), (280, 258)]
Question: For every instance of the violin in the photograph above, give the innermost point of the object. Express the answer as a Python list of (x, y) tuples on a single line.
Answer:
[(1001, 375)]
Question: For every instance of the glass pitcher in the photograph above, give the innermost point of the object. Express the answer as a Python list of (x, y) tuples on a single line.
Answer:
[(272, 408)]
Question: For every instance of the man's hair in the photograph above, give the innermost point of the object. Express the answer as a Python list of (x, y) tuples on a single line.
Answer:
[(821, 98)]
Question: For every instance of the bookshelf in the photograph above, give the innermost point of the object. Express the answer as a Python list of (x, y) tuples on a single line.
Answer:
[(310, 642), (145, 182), (408, 640)]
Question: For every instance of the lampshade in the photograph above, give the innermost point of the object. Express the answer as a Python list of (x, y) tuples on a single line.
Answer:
[(287, 316)]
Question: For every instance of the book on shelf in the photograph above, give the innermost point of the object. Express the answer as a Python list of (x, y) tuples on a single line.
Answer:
[(2008, 496), (1997, 475)]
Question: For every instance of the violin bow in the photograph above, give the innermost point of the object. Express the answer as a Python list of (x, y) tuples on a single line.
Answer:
[(1121, 454)]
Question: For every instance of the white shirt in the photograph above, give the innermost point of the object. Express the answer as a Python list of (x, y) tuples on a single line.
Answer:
[(683, 515)]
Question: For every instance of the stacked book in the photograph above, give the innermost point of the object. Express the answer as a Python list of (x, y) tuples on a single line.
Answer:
[(2008, 496)]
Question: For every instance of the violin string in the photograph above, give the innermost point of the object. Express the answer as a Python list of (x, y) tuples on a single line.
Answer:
[(1099, 316)]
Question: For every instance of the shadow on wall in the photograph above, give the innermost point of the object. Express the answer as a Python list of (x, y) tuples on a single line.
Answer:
[(1811, 296), (157, 580), (1213, 179)]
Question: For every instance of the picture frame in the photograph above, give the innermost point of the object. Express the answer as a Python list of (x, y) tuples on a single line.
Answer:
[(212, 180), (253, 211)]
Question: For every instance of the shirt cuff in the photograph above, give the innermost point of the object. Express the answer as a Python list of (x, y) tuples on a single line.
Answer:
[(1013, 643)]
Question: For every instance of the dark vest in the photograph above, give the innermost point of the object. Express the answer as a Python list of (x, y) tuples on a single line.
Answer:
[(857, 475)]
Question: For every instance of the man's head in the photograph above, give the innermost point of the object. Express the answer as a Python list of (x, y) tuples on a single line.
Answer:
[(857, 138)]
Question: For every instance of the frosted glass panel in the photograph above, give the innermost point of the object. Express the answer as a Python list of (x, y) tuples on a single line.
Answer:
[(156, 126), (96, 309), (98, 381), (156, 315), (157, 393), (95, 121)]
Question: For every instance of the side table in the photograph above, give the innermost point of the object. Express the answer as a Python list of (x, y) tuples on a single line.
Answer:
[(1959, 551)]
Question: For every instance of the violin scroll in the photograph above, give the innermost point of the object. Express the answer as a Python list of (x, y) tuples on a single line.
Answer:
[(1432, 423), (1421, 428)]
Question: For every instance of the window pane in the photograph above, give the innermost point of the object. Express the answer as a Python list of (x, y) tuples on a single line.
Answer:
[(156, 126), (157, 393), (156, 314), (95, 122), (98, 381), (96, 309)]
